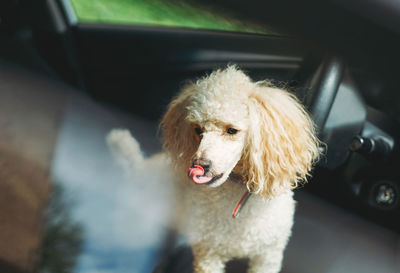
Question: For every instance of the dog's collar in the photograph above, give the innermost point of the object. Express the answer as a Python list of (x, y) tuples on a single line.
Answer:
[(237, 177), (240, 204)]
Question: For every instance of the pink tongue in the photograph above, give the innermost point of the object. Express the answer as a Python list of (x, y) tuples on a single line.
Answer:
[(196, 174)]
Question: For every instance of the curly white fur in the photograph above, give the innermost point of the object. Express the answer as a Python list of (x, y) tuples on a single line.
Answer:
[(272, 149)]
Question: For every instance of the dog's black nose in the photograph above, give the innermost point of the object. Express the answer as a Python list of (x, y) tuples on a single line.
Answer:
[(203, 162)]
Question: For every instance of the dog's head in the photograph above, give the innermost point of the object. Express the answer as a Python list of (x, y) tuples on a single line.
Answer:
[(233, 127)]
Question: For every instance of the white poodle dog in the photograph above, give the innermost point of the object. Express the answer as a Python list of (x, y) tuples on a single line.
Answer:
[(234, 145)]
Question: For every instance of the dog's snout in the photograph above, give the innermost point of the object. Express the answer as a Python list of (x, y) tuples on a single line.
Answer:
[(203, 162)]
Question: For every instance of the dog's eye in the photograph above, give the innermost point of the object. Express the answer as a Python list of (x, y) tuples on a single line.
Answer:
[(198, 130), (231, 131)]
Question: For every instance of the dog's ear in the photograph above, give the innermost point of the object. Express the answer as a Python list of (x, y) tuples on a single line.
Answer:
[(281, 143), (177, 133)]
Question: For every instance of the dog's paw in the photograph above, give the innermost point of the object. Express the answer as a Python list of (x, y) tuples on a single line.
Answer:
[(125, 148)]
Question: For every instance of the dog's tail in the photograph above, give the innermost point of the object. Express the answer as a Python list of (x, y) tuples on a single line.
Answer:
[(125, 148)]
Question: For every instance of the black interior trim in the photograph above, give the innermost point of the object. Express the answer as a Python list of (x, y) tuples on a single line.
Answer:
[(141, 68)]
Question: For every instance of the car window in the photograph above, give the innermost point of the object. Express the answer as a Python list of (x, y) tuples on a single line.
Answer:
[(163, 13)]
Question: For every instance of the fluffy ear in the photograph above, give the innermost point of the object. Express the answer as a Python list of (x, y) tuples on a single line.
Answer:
[(281, 143), (177, 133)]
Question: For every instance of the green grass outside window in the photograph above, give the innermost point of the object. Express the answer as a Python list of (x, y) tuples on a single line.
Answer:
[(160, 13)]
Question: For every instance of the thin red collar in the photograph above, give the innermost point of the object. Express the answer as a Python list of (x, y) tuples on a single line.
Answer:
[(240, 204)]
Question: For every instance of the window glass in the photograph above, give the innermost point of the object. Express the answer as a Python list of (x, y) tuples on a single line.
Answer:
[(162, 13)]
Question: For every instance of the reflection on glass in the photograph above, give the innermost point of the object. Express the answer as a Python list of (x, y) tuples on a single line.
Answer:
[(63, 237)]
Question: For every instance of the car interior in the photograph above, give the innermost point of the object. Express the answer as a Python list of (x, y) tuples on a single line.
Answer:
[(72, 70)]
